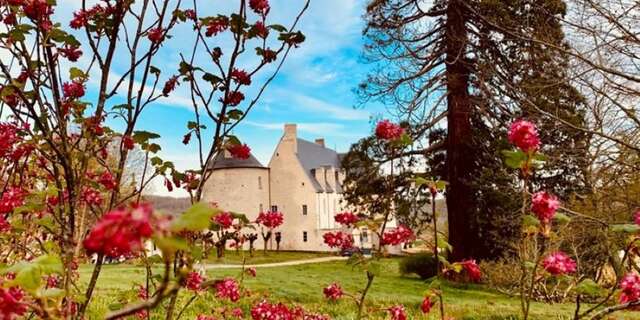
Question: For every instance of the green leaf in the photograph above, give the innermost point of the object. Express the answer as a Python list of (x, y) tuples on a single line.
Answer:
[(235, 114), (29, 277), (116, 306), (75, 73), (141, 137), (213, 79), (627, 228), (156, 161), (192, 125), (169, 245), (514, 159), (154, 70), (49, 263), (562, 218), (278, 27), (196, 218), (530, 221), (153, 147), (420, 181), (52, 293), (588, 287)]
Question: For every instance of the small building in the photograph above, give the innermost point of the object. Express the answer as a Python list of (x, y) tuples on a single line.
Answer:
[(303, 180)]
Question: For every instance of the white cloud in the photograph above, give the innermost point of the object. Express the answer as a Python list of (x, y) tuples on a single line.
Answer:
[(317, 128), (303, 103)]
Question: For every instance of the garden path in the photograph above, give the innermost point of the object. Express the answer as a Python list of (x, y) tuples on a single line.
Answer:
[(273, 265)]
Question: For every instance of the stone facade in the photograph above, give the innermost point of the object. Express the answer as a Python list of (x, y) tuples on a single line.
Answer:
[(303, 181)]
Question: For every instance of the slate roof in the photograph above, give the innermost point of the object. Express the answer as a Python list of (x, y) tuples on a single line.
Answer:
[(311, 156), (222, 162)]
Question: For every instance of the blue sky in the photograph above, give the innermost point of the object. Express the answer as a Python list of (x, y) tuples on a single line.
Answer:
[(314, 89)]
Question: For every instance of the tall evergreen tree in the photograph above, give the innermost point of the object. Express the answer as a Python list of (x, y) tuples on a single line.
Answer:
[(463, 66)]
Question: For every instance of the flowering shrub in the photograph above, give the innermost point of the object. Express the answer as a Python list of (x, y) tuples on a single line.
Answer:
[(524, 135), (386, 130), (338, 239), (559, 263), (347, 219), (399, 235), (333, 292)]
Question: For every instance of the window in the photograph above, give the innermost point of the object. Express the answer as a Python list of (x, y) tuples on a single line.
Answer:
[(259, 183), (364, 236), (304, 236), (274, 208), (304, 209)]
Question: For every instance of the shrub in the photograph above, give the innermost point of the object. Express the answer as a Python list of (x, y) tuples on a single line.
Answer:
[(422, 264)]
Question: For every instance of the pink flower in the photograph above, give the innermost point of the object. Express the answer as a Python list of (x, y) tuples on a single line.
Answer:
[(193, 281), (269, 55), (12, 198), (333, 292), (559, 263), (70, 52), (80, 19), (268, 311), (251, 271), (239, 151), (397, 312), (238, 313), (217, 25), (260, 7), (544, 205), (169, 86), (472, 269), (224, 220), (399, 235), (228, 288), (156, 35), (630, 285), (386, 130), (636, 217), (426, 305), (120, 232), (52, 281), (240, 77), (233, 98), (73, 90), (205, 317), (524, 135), (11, 304), (338, 239), (91, 196), (270, 219), (190, 14), (346, 218), (107, 180)]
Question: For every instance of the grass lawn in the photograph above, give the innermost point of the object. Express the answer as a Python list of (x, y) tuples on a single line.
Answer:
[(259, 257), (303, 285)]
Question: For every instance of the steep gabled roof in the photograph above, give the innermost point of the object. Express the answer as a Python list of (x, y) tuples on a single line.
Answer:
[(222, 162), (311, 156)]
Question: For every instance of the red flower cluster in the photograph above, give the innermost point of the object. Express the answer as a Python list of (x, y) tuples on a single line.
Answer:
[(120, 232), (399, 235), (630, 285), (260, 7), (333, 292), (73, 90), (387, 130), (216, 26), (229, 289), (70, 52), (251, 272), (524, 135), (81, 17), (156, 35), (338, 240), (261, 30), (11, 304), (233, 98), (472, 269), (4, 224), (269, 55), (271, 311), (8, 138), (239, 151), (346, 218), (240, 77), (426, 305), (224, 220), (91, 196), (39, 11), (270, 219), (194, 280), (107, 180), (12, 198), (397, 312), (544, 205), (636, 217), (128, 143), (559, 263), (169, 86)]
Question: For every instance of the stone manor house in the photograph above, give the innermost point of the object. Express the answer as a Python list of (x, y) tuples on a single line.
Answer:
[(303, 180)]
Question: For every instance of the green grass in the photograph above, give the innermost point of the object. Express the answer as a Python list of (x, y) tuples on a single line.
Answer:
[(259, 257), (303, 285)]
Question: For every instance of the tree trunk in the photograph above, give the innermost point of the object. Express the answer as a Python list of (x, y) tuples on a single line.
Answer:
[(459, 153)]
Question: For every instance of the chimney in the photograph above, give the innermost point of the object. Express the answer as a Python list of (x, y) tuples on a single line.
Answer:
[(290, 137), (320, 142)]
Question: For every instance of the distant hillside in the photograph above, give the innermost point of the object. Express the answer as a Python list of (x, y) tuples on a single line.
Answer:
[(170, 205)]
